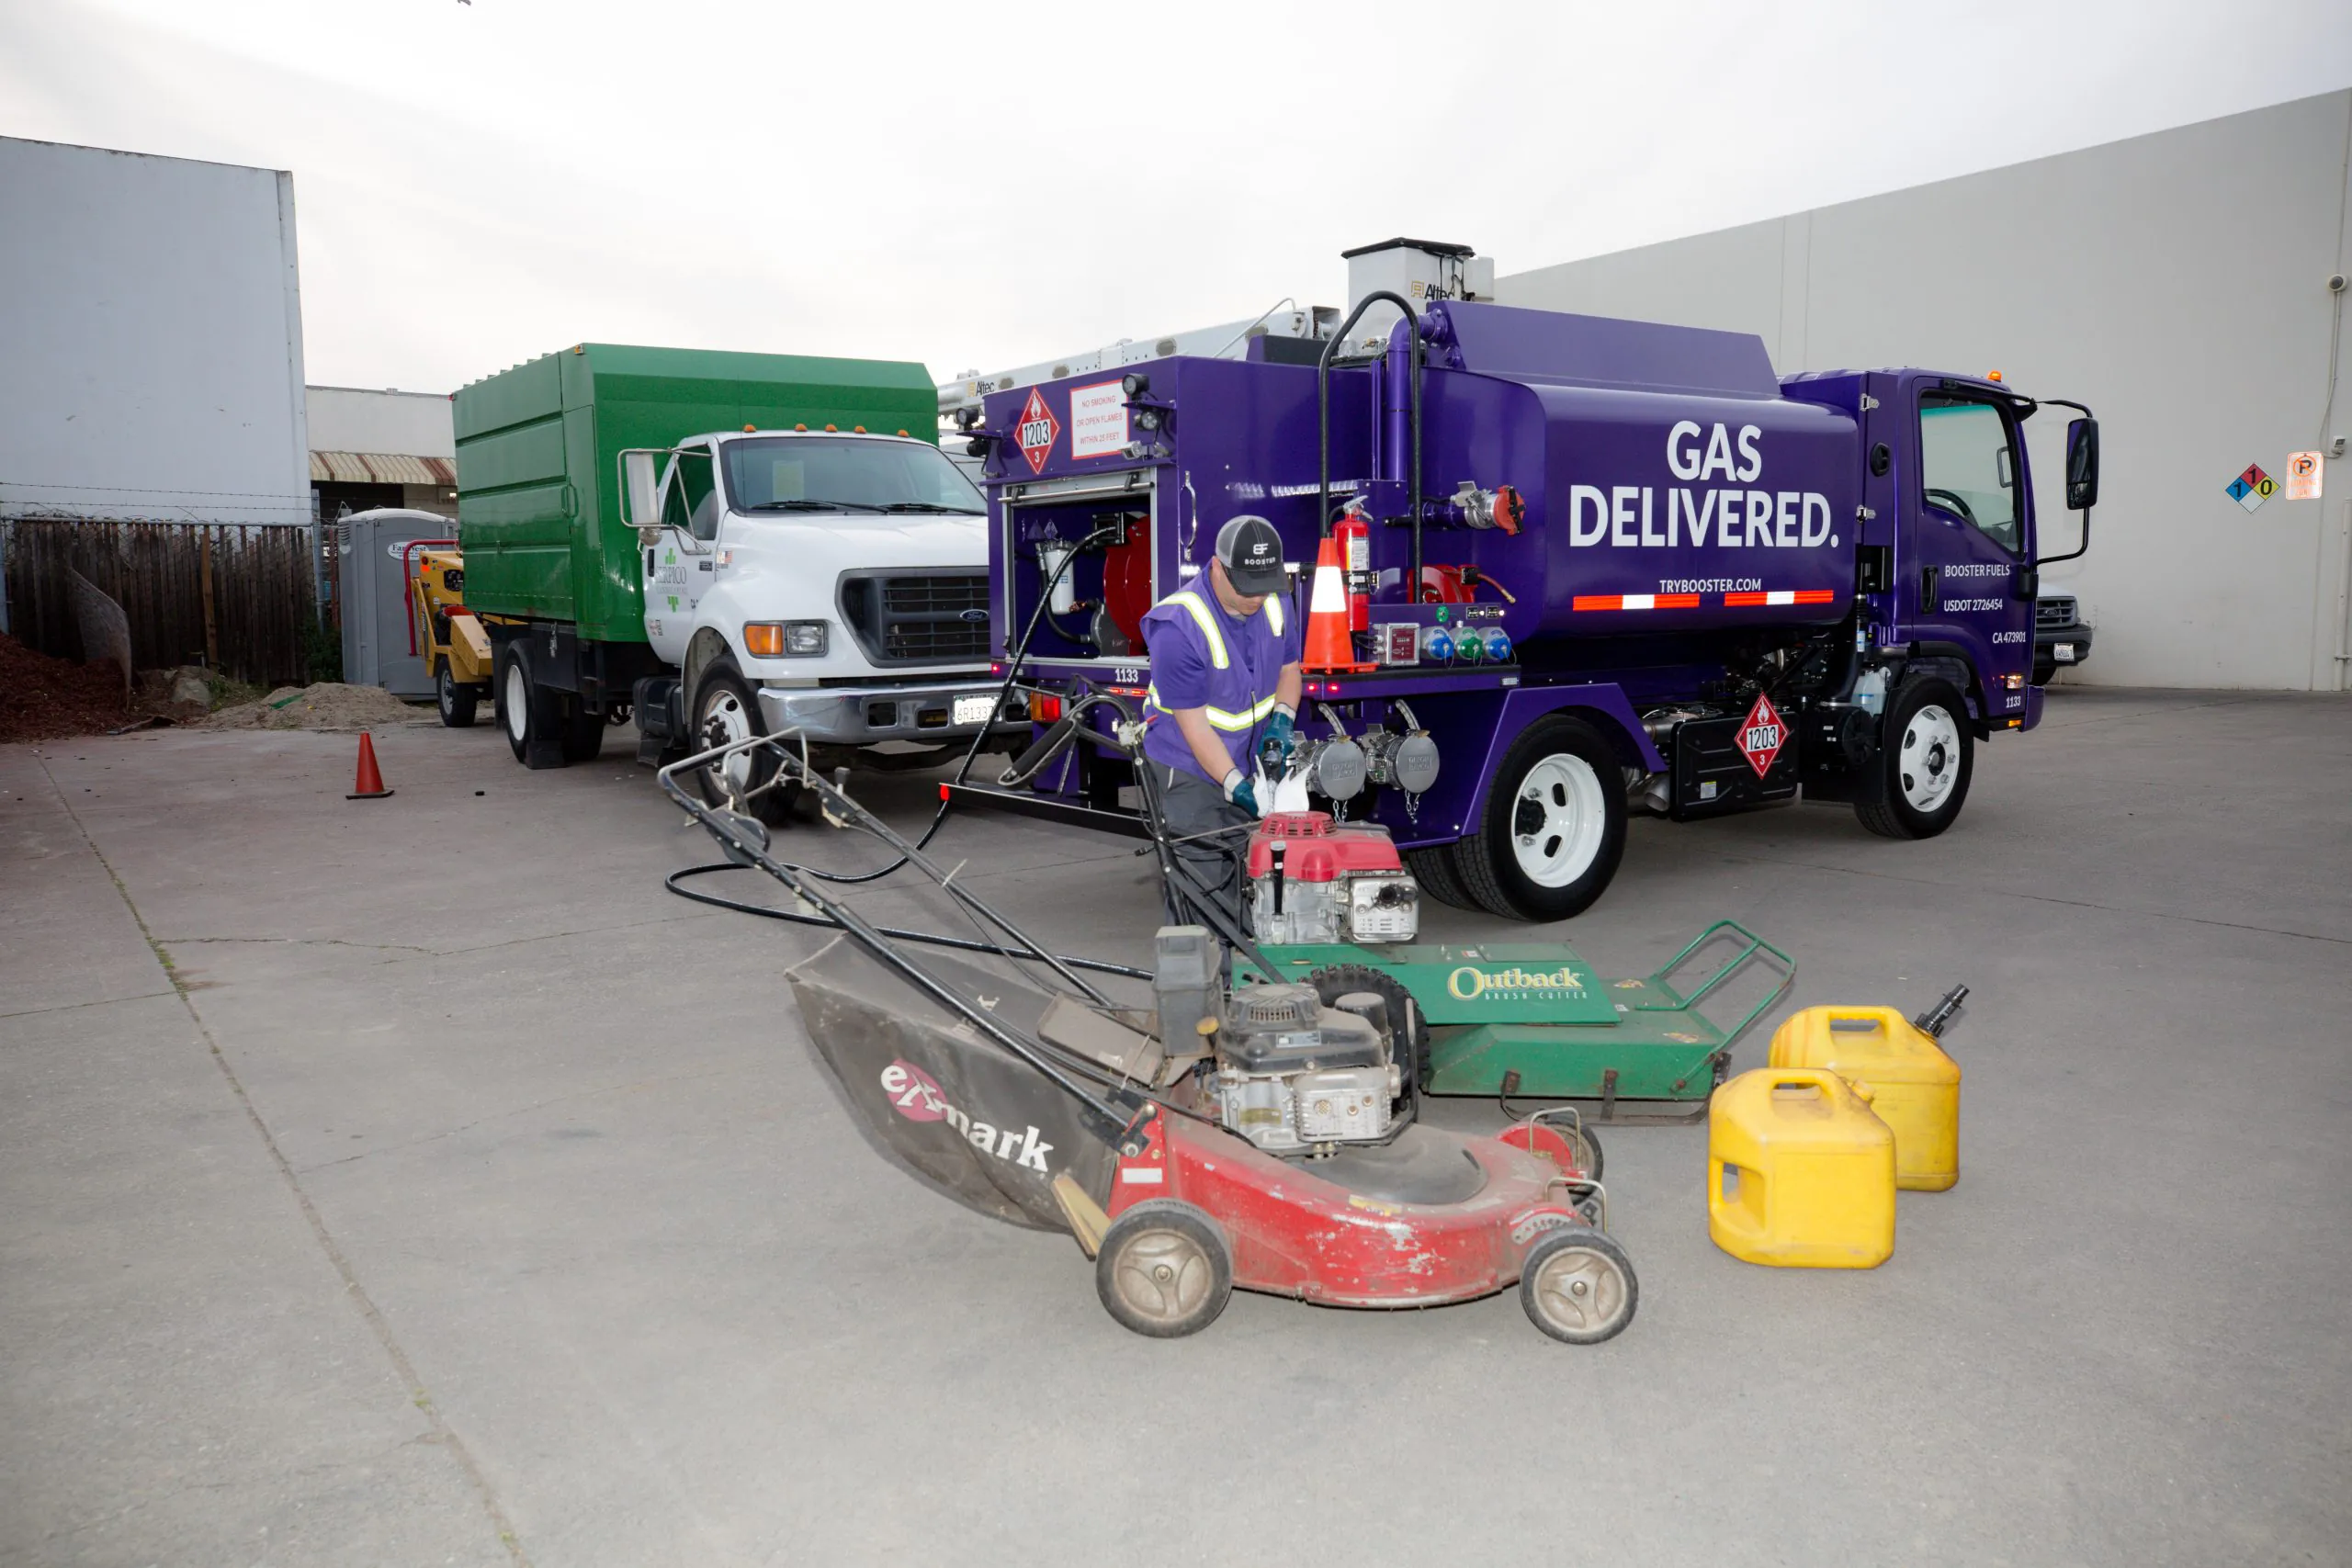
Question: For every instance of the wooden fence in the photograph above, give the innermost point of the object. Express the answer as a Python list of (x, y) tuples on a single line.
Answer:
[(239, 597)]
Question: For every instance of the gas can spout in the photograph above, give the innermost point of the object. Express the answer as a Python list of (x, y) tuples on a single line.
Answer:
[(1933, 1022)]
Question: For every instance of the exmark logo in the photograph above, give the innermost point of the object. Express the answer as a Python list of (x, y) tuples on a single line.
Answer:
[(915, 1095), (1702, 514), (1038, 429), (1762, 736)]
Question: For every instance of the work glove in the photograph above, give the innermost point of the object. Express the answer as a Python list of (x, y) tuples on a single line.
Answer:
[(1240, 791), (1280, 742)]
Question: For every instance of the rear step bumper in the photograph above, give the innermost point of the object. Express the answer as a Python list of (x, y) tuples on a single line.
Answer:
[(1044, 807)]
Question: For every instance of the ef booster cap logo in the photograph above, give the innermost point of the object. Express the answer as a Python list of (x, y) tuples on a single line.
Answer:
[(1252, 554)]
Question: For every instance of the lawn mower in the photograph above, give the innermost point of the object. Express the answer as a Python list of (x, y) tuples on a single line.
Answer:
[(1255, 1137)]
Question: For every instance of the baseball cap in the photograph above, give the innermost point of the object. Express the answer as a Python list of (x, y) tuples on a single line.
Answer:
[(1252, 554)]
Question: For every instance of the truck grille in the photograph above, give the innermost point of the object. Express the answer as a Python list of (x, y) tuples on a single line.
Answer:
[(2055, 610), (918, 619)]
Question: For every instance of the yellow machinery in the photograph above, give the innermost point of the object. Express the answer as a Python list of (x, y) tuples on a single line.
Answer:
[(448, 637)]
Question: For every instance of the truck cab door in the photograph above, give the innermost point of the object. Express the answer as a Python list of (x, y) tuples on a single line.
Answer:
[(1971, 544), (679, 565)]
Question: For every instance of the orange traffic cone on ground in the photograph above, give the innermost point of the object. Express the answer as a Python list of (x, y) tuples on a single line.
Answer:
[(1328, 646), (370, 785)]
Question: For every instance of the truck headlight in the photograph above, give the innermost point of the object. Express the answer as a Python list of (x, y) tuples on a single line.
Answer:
[(785, 640)]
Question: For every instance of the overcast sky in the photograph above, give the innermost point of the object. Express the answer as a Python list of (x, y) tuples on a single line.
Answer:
[(983, 184)]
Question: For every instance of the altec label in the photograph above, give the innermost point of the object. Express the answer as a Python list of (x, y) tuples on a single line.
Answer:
[(1761, 737), (1038, 429), (915, 1095)]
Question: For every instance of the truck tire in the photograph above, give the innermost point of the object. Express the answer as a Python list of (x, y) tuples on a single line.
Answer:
[(725, 711), (526, 710), (1433, 869), (456, 698), (581, 730), (1928, 755), (1554, 828)]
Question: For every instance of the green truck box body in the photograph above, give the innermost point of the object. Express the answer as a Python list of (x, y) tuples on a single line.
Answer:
[(538, 450)]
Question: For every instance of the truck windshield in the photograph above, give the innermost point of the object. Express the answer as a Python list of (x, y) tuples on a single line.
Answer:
[(798, 473), (1967, 465)]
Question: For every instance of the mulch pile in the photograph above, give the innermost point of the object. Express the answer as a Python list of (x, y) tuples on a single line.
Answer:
[(330, 705), (48, 699)]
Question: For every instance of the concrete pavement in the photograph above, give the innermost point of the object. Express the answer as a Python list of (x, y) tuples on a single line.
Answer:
[(415, 1181)]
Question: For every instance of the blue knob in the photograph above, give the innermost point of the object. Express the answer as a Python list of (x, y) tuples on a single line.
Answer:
[(1437, 646)]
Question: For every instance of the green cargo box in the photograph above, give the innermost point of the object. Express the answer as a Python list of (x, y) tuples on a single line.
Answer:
[(539, 450)]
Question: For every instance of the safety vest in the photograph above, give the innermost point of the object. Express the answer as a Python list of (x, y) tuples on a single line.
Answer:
[(1240, 690), (1236, 719)]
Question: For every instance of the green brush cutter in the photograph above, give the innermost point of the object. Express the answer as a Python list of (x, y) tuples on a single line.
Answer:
[(1331, 904)]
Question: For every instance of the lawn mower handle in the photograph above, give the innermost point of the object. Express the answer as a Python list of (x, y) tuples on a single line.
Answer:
[(1118, 1121)]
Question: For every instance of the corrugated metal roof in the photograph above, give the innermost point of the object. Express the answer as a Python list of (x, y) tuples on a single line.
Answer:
[(381, 468)]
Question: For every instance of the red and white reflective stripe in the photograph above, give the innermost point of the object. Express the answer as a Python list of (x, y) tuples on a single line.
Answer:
[(1766, 597), (1783, 596), (1636, 602)]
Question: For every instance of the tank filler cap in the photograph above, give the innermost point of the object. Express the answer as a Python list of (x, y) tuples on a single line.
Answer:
[(1501, 507)]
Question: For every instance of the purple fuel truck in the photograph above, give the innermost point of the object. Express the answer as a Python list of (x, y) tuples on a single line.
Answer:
[(1599, 565)]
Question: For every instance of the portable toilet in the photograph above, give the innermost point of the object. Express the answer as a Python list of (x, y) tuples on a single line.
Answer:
[(371, 551)]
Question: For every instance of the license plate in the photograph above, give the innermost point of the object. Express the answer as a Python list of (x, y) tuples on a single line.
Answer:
[(972, 710), (2064, 652)]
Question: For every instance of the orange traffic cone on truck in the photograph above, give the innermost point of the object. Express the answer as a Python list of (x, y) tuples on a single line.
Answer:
[(1328, 646), (370, 784)]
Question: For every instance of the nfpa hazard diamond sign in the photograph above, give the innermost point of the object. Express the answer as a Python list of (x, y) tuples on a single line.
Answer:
[(1762, 736), (1038, 429)]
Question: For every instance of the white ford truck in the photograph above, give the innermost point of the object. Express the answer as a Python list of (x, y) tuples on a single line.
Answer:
[(794, 569)]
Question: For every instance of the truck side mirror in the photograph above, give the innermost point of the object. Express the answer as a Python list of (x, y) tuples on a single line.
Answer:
[(2082, 465), (641, 494)]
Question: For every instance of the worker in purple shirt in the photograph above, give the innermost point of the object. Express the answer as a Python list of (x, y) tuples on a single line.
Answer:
[(1225, 684)]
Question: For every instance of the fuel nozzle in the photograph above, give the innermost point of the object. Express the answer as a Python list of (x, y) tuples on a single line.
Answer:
[(1270, 758), (1933, 1022)]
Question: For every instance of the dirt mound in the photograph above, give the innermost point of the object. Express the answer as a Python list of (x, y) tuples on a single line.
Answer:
[(330, 704), (48, 699)]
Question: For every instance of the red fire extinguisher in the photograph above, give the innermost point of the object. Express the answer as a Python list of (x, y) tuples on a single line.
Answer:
[(1354, 535)]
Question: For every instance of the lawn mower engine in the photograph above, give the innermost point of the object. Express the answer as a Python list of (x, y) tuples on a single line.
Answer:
[(1292, 1075), (1285, 1072), (1315, 881)]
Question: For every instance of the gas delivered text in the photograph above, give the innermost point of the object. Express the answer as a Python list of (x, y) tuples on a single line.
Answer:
[(1633, 516)]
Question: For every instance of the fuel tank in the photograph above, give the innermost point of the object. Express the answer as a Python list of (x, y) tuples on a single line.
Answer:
[(1667, 485)]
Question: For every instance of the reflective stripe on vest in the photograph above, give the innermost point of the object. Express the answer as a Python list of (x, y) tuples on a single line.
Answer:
[(1199, 611), (1206, 621), (1216, 715)]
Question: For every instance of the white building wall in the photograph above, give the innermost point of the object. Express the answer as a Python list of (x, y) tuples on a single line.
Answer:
[(2176, 283), (354, 419), (150, 339)]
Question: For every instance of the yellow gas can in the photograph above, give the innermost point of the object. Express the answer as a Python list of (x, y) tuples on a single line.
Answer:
[(1915, 1087), (1800, 1171)]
